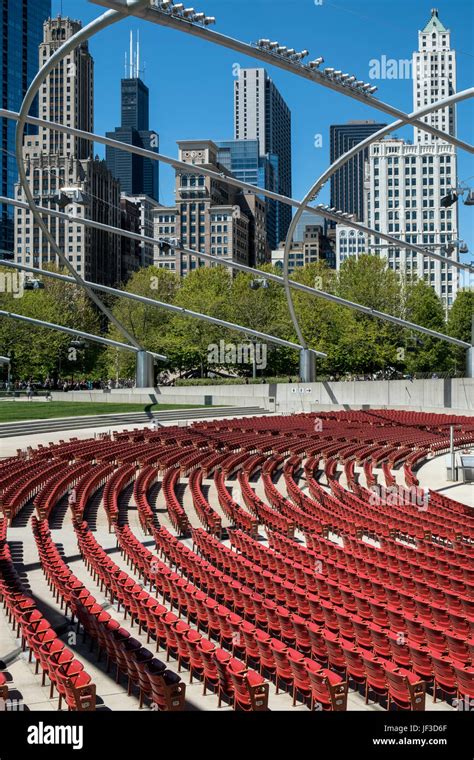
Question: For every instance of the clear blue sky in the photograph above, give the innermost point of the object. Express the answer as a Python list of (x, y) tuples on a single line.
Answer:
[(191, 81)]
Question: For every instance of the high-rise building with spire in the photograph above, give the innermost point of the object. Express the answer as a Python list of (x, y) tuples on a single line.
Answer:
[(434, 77), (405, 182), (137, 175)]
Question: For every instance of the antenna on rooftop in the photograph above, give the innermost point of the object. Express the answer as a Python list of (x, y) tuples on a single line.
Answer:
[(138, 54)]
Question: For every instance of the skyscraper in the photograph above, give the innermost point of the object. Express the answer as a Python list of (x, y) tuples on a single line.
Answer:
[(260, 113), (347, 184), (406, 181), (242, 158), (137, 175), (21, 31), (56, 163)]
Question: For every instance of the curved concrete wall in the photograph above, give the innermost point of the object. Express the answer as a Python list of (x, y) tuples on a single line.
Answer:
[(450, 395)]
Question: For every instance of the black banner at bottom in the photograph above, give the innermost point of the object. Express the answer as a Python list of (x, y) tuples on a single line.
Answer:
[(434, 734)]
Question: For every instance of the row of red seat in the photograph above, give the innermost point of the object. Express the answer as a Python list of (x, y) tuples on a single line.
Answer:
[(56, 487), (432, 656), (146, 478), (319, 599), (207, 515), (138, 664), (120, 478), (328, 690), (57, 662), (232, 508), (244, 688), (176, 513), (280, 647), (26, 485)]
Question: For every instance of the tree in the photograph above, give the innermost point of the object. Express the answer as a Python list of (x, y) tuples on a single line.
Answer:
[(37, 352), (206, 290), (369, 281), (148, 324), (261, 305), (424, 307), (460, 325), (368, 344)]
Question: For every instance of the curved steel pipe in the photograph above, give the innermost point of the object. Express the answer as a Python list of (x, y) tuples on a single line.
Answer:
[(190, 169), (155, 15), (263, 275), (77, 333), (314, 190)]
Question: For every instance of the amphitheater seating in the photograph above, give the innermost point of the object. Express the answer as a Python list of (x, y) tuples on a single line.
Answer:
[(378, 597)]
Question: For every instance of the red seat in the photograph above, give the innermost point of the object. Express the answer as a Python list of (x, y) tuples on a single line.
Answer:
[(465, 679), (375, 675), (328, 690), (354, 663), (301, 682), (249, 688), (404, 688), (445, 677), (283, 667)]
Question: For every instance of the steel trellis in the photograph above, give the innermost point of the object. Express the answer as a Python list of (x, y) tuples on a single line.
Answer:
[(142, 8)]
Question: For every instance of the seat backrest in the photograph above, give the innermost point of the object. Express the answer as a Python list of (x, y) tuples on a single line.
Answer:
[(319, 687), (465, 680), (84, 697)]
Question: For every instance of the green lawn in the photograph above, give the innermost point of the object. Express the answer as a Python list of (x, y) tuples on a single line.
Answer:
[(14, 411)]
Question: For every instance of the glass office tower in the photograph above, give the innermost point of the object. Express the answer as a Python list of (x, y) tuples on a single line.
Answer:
[(21, 23)]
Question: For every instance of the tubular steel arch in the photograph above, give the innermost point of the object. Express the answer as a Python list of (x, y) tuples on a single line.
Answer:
[(149, 12)]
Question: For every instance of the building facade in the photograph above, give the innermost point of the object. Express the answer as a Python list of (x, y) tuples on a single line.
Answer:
[(260, 113), (347, 184), (21, 31), (406, 182), (207, 215), (131, 252), (434, 77), (255, 209), (308, 247), (146, 209), (349, 242), (58, 164)]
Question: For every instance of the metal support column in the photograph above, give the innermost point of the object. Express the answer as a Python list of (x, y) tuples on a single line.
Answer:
[(307, 365), (145, 372), (470, 362)]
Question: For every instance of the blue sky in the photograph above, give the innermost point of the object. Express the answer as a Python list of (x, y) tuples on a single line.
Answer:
[(191, 81)]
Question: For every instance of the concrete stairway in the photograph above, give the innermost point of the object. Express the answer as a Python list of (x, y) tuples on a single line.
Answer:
[(32, 427)]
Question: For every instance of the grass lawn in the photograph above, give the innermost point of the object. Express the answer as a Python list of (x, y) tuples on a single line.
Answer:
[(14, 411)]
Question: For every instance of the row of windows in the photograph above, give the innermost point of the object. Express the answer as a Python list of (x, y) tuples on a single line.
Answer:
[(192, 181), (411, 159)]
